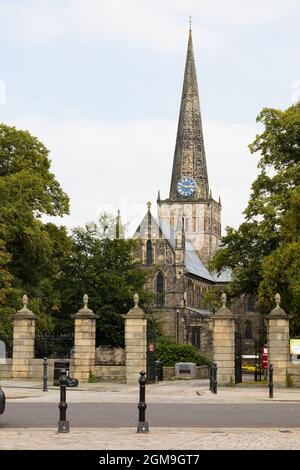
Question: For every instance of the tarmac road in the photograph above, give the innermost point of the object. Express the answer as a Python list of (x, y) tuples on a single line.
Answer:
[(110, 415)]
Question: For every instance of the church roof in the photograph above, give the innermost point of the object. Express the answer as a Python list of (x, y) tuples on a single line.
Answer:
[(200, 311), (189, 157), (193, 263), (224, 276)]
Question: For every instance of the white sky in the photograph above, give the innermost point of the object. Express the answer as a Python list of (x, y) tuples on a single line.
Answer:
[(99, 82)]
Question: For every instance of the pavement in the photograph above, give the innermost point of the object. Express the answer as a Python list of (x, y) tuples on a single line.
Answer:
[(178, 391), (126, 438), (156, 439)]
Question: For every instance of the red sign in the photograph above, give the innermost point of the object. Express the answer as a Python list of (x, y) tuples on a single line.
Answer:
[(264, 357)]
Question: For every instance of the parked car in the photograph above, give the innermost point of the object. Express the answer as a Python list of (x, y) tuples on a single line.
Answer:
[(2, 401)]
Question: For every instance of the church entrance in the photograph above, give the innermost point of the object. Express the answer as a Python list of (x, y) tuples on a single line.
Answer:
[(248, 367)]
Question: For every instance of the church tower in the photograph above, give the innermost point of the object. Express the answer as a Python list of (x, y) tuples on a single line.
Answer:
[(190, 199)]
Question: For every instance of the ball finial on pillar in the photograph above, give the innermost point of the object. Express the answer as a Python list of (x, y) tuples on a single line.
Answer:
[(85, 301), (277, 300), (223, 300), (25, 301)]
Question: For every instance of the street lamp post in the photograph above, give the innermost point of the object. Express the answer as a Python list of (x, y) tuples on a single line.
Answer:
[(177, 325)]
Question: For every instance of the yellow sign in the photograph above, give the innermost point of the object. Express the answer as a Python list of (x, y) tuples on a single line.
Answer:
[(294, 346)]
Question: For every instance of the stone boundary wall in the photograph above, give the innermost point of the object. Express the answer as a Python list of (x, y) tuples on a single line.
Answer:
[(294, 372), (109, 356), (6, 369), (110, 373), (35, 369), (202, 373)]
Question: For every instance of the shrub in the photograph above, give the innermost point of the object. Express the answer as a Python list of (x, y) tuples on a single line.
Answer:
[(169, 353), (92, 378)]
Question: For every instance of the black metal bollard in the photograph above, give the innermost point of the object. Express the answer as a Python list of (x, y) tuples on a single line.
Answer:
[(45, 375), (215, 380), (271, 381), (143, 425), (158, 371), (210, 377), (63, 424)]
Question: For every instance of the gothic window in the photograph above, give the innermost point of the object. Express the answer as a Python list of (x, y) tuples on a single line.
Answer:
[(189, 293), (196, 339), (160, 289), (149, 254), (248, 330)]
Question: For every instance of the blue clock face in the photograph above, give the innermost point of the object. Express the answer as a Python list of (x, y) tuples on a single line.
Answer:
[(186, 186)]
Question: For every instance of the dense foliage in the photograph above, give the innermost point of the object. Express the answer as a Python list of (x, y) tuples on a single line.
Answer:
[(264, 252), (104, 269), (52, 267), (169, 353), (30, 251)]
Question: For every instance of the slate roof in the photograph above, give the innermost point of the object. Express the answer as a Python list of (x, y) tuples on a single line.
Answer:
[(224, 276), (200, 311), (193, 263)]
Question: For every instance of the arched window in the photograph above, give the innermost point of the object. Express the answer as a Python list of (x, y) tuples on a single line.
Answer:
[(248, 330), (149, 255), (160, 289)]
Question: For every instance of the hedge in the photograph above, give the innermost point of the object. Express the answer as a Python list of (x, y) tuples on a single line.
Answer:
[(169, 353)]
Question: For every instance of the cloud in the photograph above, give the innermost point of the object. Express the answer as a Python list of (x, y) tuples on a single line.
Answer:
[(2, 92), (106, 167), (231, 167), (156, 24), (296, 91)]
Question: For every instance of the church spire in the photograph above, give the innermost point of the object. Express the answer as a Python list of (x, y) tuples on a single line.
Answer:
[(189, 157)]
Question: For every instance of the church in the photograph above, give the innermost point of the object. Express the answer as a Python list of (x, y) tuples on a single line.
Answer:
[(180, 241)]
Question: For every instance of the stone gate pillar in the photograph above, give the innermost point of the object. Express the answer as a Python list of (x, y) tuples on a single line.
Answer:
[(278, 342), (223, 343), (23, 340), (84, 342), (135, 342)]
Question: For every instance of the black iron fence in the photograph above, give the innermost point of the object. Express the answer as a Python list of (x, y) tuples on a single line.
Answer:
[(54, 346), (238, 358)]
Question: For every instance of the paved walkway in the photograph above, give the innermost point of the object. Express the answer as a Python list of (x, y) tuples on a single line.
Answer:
[(192, 391), (157, 439), (189, 391)]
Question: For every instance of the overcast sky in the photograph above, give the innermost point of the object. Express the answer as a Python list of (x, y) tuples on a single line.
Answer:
[(99, 82)]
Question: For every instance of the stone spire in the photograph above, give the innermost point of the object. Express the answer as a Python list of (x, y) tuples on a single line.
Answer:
[(149, 219), (189, 157), (119, 228)]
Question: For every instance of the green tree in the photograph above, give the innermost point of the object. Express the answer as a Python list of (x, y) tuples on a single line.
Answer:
[(264, 251), (30, 251), (105, 270), (5, 276)]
